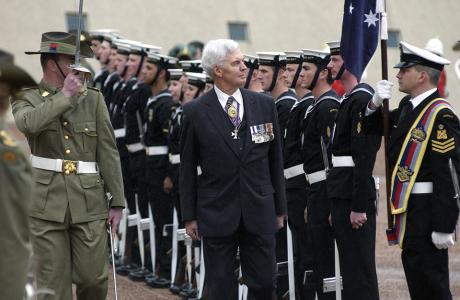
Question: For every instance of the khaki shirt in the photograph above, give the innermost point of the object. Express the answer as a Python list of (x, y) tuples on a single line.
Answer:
[(76, 129)]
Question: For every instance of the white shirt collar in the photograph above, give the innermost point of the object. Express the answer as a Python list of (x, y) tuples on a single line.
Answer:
[(223, 97), (417, 100)]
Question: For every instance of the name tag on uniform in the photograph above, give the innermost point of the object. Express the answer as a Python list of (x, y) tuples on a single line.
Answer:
[(262, 133)]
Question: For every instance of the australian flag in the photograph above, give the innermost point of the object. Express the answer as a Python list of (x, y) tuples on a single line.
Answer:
[(360, 30)]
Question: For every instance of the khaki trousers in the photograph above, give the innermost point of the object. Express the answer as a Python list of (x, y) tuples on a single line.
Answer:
[(67, 253)]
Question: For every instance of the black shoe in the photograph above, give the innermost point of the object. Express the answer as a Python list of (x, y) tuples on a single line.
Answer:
[(139, 275), (159, 283), (188, 293), (150, 276), (125, 270), (175, 289)]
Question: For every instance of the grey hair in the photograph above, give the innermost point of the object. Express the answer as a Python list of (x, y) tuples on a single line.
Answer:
[(214, 53), (433, 74)]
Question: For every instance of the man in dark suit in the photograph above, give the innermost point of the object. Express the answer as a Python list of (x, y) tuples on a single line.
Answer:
[(239, 199), (424, 137)]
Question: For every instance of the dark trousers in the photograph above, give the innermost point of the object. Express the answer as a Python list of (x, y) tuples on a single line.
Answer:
[(356, 253), (257, 257), (303, 252), (137, 187), (426, 269), (319, 209), (162, 206)]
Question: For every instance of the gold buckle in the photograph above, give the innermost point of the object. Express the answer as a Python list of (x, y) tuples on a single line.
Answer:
[(69, 167)]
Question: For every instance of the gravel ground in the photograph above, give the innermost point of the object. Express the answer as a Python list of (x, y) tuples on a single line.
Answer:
[(392, 283)]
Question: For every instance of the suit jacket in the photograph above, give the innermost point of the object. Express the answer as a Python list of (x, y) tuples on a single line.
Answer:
[(241, 181), (53, 124)]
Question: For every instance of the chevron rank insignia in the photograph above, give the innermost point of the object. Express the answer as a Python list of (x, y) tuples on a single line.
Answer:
[(443, 147)]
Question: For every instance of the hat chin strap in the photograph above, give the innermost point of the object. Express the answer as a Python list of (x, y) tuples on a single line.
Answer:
[(341, 71), (296, 76), (139, 68), (57, 65), (274, 79), (248, 79), (122, 75)]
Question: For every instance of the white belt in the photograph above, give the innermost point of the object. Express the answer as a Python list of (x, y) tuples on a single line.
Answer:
[(135, 147), (119, 133), (422, 188), (342, 161), (156, 150), (316, 176), (174, 159), (293, 171), (64, 166)]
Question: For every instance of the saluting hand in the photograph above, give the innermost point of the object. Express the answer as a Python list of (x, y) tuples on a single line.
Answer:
[(357, 219), (191, 228), (72, 84)]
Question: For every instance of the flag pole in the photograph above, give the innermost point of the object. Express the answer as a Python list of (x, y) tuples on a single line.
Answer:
[(386, 122)]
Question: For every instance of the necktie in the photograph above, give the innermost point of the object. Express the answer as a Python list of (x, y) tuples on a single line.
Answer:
[(232, 108)]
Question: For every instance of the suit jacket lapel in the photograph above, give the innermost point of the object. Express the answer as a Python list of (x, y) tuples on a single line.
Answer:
[(220, 120), (405, 124)]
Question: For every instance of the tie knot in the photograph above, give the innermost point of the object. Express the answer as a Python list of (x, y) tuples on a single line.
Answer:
[(230, 101)]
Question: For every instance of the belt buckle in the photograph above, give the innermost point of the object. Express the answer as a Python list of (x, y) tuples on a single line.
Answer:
[(69, 167)]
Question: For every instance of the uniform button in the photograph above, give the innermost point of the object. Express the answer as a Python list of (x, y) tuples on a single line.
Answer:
[(67, 172), (86, 129), (67, 151), (65, 123), (66, 137)]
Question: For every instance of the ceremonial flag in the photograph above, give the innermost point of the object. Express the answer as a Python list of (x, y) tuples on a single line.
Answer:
[(360, 30)]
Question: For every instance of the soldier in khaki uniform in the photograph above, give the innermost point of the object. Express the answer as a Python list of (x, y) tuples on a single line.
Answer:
[(15, 191), (75, 162)]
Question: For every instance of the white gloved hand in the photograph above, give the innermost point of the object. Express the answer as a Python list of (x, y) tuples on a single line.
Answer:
[(442, 240), (382, 91)]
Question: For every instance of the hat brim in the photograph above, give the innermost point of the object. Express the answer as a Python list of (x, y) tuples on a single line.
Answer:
[(40, 52), (404, 64), (15, 76)]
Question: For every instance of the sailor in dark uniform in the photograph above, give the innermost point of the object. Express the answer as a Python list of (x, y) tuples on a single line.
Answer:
[(296, 183), (319, 121), (351, 187), (252, 82), (157, 115)]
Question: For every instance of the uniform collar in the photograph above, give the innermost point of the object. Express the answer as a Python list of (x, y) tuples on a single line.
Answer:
[(47, 89), (417, 100), (223, 97)]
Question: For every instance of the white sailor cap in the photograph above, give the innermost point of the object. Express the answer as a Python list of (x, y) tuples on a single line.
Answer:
[(316, 57), (193, 66), (100, 34), (208, 78), (196, 79), (122, 46), (334, 47), (136, 47), (251, 61), (164, 61), (411, 56), (272, 59), (175, 74), (294, 57), (151, 48)]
